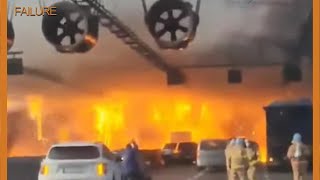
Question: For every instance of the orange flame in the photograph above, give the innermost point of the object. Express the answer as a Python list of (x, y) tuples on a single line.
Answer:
[(150, 118), (35, 112), (109, 119), (90, 39)]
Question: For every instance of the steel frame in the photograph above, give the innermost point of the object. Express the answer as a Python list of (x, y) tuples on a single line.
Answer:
[(123, 32)]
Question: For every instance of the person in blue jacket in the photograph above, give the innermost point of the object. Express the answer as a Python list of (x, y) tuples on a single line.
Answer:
[(132, 170)]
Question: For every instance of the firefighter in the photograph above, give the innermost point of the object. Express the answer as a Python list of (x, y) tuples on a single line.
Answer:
[(227, 150), (237, 160), (252, 154), (298, 154)]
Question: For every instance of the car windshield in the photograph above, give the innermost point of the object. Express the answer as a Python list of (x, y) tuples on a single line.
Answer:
[(187, 146), (213, 144), (74, 152), (170, 146)]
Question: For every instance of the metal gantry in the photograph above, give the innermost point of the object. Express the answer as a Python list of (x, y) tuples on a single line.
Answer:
[(123, 32)]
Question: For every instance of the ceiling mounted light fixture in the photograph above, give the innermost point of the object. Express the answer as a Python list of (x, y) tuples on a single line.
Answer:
[(234, 76), (291, 72)]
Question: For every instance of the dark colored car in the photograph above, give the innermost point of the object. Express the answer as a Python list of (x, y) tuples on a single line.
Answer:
[(185, 152), (152, 158)]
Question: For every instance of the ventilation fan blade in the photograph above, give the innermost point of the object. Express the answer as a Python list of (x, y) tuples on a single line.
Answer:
[(183, 29), (81, 31), (72, 39), (60, 25), (162, 20), (79, 18), (68, 18), (182, 15), (173, 36), (170, 14), (61, 37), (161, 32)]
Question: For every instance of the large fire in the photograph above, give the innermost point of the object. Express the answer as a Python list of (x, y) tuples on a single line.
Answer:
[(109, 120), (149, 119)]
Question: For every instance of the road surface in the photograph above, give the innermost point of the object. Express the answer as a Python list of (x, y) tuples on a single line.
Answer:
[(27, 169)]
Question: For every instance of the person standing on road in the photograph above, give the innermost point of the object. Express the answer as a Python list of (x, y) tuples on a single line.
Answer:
[(132, 168), (139, 158), (298, 154), (253, 158), (237, 160), (227, 154)]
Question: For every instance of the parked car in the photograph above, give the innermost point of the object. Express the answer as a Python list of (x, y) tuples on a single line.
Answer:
[(211, 153), (185, 152), (152, 158), (80, 160)]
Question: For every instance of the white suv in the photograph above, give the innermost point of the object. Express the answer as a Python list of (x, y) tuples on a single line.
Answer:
[(211, 153), (80, 161)]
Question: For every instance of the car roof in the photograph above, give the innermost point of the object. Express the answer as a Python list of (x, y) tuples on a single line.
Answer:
[(187, 142), (240, 137), (203, 140), (74, 144), (291, 103)]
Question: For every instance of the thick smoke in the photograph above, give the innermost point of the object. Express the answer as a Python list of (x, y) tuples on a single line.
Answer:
[(228, 33)]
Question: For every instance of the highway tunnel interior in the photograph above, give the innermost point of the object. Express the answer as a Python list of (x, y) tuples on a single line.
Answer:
[(111, 94)]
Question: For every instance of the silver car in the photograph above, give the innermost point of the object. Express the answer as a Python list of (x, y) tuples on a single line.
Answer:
[(211, 153)]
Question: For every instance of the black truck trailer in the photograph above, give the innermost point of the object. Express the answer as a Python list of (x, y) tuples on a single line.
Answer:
[(283, 120)]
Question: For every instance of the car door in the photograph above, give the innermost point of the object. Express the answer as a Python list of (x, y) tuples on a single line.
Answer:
[(113, 166)]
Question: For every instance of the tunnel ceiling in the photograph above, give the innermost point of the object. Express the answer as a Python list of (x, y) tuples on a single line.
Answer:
[(226, 34)]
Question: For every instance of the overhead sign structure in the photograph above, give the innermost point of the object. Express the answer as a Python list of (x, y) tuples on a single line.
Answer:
[(14, 64)]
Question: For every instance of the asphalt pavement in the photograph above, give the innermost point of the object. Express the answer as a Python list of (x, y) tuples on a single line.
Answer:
[(190, 173), (23, 168), (27, 169)]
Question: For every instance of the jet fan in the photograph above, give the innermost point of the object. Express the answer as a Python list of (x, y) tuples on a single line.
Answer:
[(172, 23), (73, 30), (10, 35)]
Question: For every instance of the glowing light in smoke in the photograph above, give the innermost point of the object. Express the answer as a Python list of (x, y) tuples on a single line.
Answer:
[(90, 39), (101, 123), (63, 134), (182, 110), (35, 107), (156, 114), (109, 118)]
